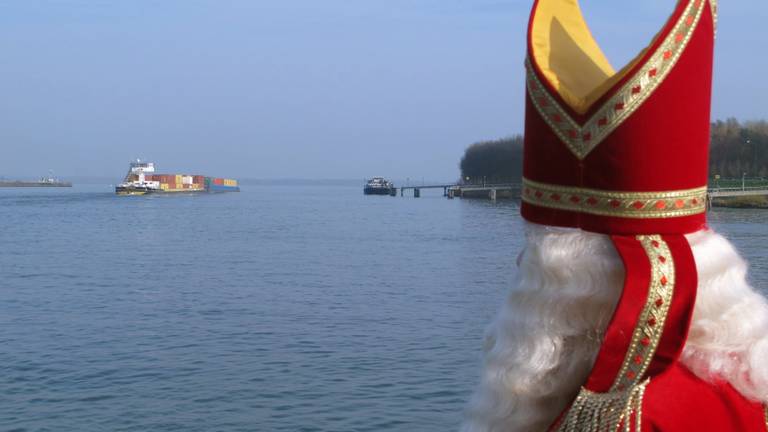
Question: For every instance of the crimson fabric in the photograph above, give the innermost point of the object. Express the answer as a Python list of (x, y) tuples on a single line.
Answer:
[(675, 400), (618, 335), (679, 316), (679, 401), (662, 146), (626, 317)]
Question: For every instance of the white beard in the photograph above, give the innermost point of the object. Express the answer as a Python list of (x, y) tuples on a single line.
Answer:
[(542, 345)]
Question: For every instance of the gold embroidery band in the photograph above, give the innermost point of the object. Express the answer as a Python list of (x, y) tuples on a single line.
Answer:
[(636, 205), (581, 140), (650, 326), (617, 408), (766, 417)]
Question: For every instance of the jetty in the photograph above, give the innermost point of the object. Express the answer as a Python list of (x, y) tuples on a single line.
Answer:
[(455, 190), (417, 189)]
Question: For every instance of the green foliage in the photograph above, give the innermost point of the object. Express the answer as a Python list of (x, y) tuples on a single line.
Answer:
[(499, 161), (738, 149)]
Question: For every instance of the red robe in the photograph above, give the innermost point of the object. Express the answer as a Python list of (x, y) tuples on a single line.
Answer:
[(634, 165)]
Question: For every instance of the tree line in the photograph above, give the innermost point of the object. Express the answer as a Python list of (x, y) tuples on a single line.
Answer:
[(497, 161), (737, 149)]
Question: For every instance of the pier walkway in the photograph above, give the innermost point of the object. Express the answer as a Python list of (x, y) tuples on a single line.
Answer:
[(417, 189), (492, 191)]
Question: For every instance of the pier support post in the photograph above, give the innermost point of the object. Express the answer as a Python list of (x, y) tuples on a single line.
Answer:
[(401, 191), (449, 193), (492, 194), (416, 193)]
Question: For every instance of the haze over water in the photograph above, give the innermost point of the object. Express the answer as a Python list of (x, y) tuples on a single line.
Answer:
[(282, 308)]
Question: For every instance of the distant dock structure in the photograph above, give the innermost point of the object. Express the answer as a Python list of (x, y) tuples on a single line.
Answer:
[(47, 181), (417, 189), (456, 190)]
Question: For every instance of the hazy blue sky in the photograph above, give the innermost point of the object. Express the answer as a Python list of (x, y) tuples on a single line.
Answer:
[(300, 88)]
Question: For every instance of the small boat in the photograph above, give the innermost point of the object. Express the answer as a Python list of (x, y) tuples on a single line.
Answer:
[(49, 181), (379, 186)]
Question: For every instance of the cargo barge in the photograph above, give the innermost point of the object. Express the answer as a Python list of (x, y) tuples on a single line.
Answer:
[(142, 179)]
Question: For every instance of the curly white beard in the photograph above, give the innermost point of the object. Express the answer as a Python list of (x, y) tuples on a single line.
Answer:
[(541, 347)]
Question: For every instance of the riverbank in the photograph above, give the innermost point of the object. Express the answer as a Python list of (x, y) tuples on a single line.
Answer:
[(741, 202)]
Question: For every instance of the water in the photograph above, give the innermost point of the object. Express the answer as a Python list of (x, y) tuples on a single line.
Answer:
[(282, 308)]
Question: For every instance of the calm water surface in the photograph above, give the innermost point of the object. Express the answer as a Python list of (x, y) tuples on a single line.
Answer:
[(282, 308)]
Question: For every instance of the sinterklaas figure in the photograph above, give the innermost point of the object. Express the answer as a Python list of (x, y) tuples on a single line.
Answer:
[(629, 313)]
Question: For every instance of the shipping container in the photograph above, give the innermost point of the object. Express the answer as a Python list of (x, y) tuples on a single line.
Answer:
[(221, 185)]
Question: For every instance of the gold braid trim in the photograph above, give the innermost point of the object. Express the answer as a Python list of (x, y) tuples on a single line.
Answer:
[(636, 205), (581, 140), (650, 326), (606, 412), (615, 409), (766, 417)]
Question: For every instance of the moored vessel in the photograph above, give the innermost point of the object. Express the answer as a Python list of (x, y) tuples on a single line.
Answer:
[(49, 181), (379, 186), (141, 179)]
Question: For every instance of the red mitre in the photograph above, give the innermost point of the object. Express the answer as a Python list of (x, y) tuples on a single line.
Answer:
[(625, 153)]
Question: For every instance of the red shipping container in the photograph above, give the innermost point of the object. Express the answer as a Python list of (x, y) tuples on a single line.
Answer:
[(218, 181)]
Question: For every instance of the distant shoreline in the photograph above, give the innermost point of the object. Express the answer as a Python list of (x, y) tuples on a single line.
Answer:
[(742, 202)]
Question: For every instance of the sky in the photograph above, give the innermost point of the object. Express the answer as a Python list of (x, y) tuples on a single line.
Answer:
[(313, 89)]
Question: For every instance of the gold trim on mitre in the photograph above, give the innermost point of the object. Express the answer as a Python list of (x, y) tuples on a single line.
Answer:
[(635, 205), (582, 139)]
